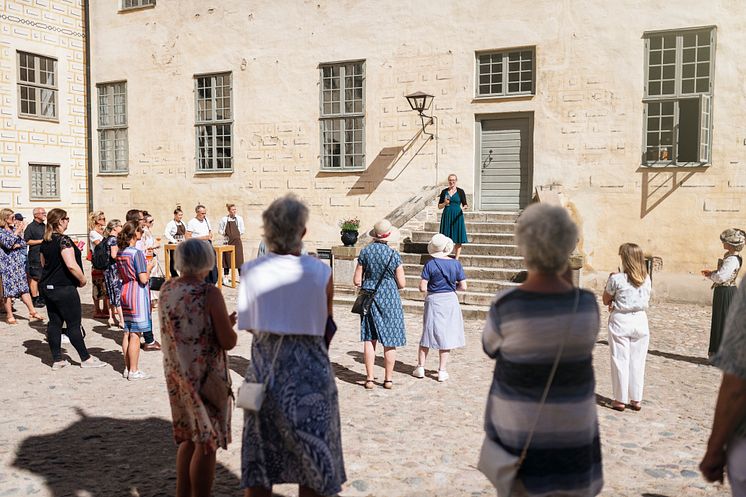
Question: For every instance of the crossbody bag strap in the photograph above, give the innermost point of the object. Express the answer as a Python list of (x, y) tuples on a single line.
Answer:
[(272, 366), (451, 285), (550, 379), (383, 273)]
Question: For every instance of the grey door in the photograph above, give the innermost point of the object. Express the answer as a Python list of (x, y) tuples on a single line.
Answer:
[(505, 179)]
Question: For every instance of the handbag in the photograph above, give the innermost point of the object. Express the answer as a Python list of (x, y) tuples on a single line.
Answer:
[(365, 298), (217, 390), (495, 462), (251, 394), (156, 282)]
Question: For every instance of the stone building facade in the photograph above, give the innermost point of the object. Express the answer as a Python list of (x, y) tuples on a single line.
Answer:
[(633, 111), (42, 108)]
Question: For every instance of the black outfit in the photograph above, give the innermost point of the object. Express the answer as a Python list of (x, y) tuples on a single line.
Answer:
[(60, 290), (34, 231), (461, 195)]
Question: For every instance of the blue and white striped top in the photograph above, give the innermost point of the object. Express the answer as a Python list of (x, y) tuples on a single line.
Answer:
[(523, 333)]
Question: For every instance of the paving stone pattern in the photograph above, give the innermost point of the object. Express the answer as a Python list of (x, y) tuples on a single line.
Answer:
[(82, 432)]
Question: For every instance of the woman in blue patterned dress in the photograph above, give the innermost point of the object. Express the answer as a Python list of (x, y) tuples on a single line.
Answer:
[(111, 273), (385, 321), (13, 266), (134, 272), (285, 300), (453, 201)]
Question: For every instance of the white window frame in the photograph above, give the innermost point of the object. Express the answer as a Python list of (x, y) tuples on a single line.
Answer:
[(206, 127), (112, 128), (343, 121), (136, 4), (48, 192), (504, 55), (667, 154), (37, 87)]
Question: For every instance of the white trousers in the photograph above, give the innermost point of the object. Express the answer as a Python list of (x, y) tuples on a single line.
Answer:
[(736, 466), (628, 343)]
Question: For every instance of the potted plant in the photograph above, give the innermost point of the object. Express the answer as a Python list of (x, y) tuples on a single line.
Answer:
[(349, 231)]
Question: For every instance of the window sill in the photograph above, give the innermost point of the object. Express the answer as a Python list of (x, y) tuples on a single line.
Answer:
[(114, 173), (502, 98), (224, 172), (50, 199), (135, 9), (53, 120), (673, 165), (342, 170)]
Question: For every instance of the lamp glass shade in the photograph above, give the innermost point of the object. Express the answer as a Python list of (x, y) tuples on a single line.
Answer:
[(419, 101)]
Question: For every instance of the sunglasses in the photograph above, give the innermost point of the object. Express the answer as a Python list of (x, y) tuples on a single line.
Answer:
[(65, 219)]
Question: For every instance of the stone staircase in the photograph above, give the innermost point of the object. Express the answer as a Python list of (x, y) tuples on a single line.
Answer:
[(490, 260)]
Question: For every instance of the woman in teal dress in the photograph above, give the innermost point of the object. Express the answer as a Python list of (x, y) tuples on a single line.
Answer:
[(453, 200)]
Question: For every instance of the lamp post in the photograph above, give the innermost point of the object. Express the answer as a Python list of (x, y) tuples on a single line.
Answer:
[(421, 102)]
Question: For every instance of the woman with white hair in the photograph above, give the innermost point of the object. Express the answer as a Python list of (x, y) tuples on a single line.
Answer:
[(442, 321), (196, 332), (541, 335), (379, 269), (724, 283), (285, 301)]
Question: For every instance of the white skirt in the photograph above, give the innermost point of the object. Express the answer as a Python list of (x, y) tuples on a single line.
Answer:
[(442, 322)]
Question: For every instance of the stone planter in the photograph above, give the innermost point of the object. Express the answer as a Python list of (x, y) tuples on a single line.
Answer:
[(349, 238)]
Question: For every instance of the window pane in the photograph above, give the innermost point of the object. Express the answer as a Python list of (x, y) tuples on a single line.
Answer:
[(49, 103)]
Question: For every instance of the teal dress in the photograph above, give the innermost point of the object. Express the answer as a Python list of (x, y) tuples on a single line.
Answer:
[(452, 222)]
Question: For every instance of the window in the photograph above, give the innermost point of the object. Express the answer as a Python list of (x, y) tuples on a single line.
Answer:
[(343, 116), (37, 86), (505, 73), (112, 128), (134, 4), (678, 97), (45, 181), (214, 122)]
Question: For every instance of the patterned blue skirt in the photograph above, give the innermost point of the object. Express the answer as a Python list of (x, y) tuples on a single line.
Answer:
[(296, 436)]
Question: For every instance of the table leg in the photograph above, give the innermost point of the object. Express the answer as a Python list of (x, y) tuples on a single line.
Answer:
[(168, 264), (219, 255), (233, 268)]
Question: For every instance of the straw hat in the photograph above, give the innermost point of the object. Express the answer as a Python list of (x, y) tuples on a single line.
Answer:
[(440, 246), (384, 231), (734, 237)]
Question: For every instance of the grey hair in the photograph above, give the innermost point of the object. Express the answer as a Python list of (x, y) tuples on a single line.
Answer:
[(194, 256), (546, 236), (284, 224)]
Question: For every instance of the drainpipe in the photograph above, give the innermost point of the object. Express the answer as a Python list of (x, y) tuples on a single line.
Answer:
[(88, 92)]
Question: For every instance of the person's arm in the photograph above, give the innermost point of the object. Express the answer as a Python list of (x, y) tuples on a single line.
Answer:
[(725, 273), (401, 280), (222, 323), (330, 298), (113, 251), (68, 256), (222, 224), (169, 232), (241, 227), (442, 200), (357, 277), (462, 196), (423, 286), (461, 285), (729, 411), (144, 277), (27, 236), (609, 291)]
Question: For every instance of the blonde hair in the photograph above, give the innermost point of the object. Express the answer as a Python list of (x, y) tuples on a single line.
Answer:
[(53, 222), (633, 263), (93, 219), (4, 215), (111, 226)]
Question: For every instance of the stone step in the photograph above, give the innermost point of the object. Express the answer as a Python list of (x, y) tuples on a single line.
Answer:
[(487, 217), (476, 286), (472, 273), (344, 303), (502, 227), (467, 249), (480, 238), (468, 297), (472, 261)]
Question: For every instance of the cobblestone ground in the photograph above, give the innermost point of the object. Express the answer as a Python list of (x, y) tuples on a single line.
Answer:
[(83, 432)]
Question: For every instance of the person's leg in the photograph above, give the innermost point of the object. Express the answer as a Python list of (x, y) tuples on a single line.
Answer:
[(125, 350), (26, 299), (736, 466), (369, 358), (257, 492), (389, 359), (183, 459), (457, 250), (33, 286), (8, 303), (619, 350), (54, 326), (148, 337), (638, 354), (307, 492), (133, 351), (443, 359), (202, 471), (422, 356), (69, 307)]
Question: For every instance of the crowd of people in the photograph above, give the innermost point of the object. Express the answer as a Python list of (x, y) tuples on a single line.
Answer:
[(541, 409)]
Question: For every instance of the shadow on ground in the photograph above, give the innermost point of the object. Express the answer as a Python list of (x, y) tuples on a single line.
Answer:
[(101, 456), (670, 355), (399, 366)]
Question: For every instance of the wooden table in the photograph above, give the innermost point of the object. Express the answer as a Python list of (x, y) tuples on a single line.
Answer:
[(219, 251)]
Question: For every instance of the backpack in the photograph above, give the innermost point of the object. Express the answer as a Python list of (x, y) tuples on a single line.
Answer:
[(101, 255)]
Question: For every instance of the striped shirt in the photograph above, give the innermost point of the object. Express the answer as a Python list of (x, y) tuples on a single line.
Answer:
[(523, 333)]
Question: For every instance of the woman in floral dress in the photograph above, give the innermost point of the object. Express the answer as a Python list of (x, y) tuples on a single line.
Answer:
[(13, 266), (196, 331), (96, 226), (111, 274)]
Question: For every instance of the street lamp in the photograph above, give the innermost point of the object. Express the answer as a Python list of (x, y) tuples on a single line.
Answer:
[(420, 101)]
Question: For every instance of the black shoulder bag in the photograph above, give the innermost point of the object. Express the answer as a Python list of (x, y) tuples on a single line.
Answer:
[(365, 298)]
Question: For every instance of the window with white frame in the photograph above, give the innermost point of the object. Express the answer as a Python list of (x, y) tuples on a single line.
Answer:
[(678, 97), (214, 122), (134, 4), (113, 154), (342, 121), (45, 181), (37, 86), (505, 72)]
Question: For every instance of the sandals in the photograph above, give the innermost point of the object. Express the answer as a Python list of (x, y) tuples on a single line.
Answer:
[(11, 320), (36, 317), (388, 384), (635, 406), (369, 384), (618, 406)]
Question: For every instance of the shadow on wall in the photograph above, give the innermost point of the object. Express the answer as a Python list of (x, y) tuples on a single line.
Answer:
[(386, 161), (660, 183), (113, 457)]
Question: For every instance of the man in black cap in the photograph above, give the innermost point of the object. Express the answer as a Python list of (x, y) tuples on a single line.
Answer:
[(34, 235)]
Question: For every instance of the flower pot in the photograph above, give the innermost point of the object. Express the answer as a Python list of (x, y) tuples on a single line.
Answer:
[(349, 238)]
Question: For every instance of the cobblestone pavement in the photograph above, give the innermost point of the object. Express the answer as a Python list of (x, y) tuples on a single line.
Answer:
[(80, 432)]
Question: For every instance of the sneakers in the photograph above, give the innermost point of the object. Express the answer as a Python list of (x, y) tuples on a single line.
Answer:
[(92, 362), (419, 372), (125, 373), (57, 365), (226, 280), (64, 339), (443, 375), (138, 375), (38, 302)]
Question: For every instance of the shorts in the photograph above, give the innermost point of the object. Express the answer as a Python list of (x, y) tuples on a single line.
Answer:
[(34, 271)]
